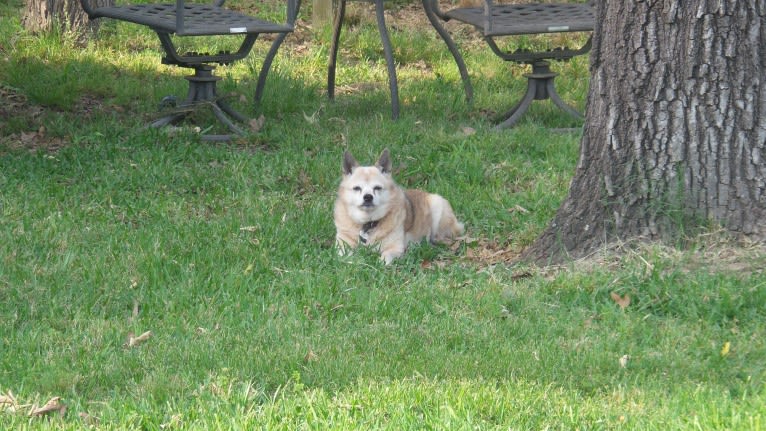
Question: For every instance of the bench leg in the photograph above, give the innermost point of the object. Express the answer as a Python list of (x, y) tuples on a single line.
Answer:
[(202, 93), (510, 118), (389, 53), (551, 89), (332, 62), (452, 49), (266, 66), (540, 86)]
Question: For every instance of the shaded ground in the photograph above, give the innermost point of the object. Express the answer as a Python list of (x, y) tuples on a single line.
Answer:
[(17, 112), (15, 108)]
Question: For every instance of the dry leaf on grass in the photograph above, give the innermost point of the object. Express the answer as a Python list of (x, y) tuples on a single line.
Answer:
[(726, 349), (8, 402), (624, 361), (433, 264), (89, 419), (621, 301), (468, 131), (518, 208), (136, 310), (53, 406), (256, 124), (311, 119), (310, 356), (521, 275), (7, 399), (135, 341), (176, 421), (487, 253)]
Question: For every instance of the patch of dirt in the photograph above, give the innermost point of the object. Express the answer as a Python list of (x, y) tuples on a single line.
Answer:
[(714, 252), (485, 252), (16, 111), (15, 107), (717, 251)]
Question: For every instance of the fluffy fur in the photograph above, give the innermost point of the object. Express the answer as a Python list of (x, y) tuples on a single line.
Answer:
[(371, 209)]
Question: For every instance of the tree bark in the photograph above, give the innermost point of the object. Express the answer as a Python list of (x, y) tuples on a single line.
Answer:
[(65, 15), (675, 128)]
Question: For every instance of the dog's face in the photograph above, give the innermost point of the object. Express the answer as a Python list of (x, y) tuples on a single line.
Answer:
[(366, 190)]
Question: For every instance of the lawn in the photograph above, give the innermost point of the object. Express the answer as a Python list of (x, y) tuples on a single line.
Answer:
[(149, 280)]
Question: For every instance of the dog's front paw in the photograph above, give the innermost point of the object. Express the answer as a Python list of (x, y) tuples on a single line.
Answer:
[(389, 255), (344, 248)]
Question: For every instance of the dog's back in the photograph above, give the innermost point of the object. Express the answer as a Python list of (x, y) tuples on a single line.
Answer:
[(430, 216)]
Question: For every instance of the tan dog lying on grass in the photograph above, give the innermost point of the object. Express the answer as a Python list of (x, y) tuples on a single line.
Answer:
[(373, 210)]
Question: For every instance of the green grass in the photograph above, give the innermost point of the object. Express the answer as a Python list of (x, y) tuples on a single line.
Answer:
[(225, 253)]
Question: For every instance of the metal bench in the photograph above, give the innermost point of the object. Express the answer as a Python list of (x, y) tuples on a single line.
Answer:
[(196, 19), (496, 20)]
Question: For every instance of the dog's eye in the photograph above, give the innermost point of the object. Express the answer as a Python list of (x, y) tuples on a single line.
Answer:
[(377, 188), (357, 189)]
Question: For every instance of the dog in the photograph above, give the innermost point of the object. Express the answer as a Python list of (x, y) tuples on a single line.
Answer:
[(371, 209)]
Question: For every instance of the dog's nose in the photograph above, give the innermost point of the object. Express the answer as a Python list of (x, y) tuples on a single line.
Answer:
[(367, 198)]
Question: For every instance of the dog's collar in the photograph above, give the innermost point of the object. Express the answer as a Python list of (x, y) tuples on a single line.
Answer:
[(364, 234)]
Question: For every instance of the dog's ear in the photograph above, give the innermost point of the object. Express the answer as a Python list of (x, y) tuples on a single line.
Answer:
[(349, 163), (384, 162)]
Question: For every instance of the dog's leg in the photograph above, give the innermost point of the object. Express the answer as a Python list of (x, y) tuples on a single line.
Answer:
[(346, 242), (391, 253), (393, 247)]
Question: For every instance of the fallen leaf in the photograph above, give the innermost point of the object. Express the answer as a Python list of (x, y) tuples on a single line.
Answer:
[(135, 341), (310, 356), (88, 419), (54, 405), (8, 402), (468, 131), (520, 275), (136, 309), (518, 208), (621, 301), (28, 137), (312, 119), (624, 361), (726, 349), (7, 399), (175, 422), (256, 124)]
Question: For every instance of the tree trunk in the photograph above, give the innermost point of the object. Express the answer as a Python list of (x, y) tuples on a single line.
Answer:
[(675, 129), (64, 15)]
